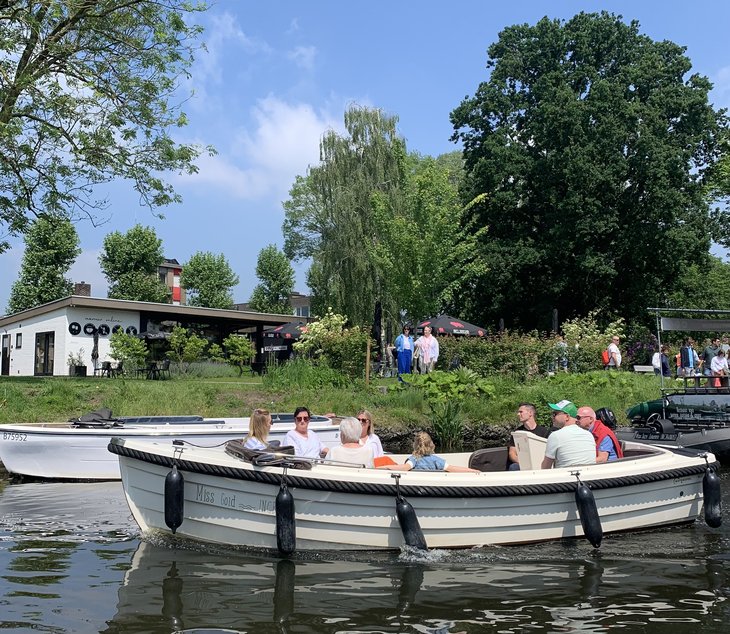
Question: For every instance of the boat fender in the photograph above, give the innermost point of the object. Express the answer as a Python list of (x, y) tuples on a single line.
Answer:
[(408, 520), (174, 499), (286, 531), (588, 512), (712, 493)]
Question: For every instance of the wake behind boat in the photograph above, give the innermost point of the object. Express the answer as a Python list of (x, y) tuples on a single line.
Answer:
[(271, 502), (77, 450)]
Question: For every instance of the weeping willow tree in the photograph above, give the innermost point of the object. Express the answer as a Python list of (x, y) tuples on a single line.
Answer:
[(382, 227), (338, 215)]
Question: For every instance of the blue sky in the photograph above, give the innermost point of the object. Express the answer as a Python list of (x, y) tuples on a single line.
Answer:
[(276, 75)]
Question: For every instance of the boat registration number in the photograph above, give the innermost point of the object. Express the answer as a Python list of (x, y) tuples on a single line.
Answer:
[(14, 435)]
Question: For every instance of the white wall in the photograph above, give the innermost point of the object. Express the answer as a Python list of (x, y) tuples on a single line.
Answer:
[(22, 359)]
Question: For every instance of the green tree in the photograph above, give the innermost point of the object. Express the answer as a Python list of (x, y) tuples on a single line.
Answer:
[(703, 286), (51, 246), (128, 349), (85, 98), (275, 271), (130, 263), (208, 279), (239, 350), (334, 214), (185, 348), (584, 154)]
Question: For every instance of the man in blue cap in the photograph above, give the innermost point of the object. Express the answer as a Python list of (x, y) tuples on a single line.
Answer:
[(570, 445)]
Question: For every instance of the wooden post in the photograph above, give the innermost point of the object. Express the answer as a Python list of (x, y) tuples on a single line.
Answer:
[(367, 364)]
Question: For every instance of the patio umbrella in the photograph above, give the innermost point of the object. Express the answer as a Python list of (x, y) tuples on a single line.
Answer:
[(95, 349), (447, 325), (290, 330)]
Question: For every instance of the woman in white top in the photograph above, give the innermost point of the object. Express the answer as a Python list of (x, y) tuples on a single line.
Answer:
[(719, 367), (350, 450), (368, 438), (304, 441), (258, 430)]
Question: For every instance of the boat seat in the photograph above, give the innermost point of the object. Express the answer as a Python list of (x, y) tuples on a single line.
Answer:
[(530, 449), (490, 459)]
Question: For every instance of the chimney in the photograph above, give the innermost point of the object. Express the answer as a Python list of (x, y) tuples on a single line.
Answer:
[(83, 289)]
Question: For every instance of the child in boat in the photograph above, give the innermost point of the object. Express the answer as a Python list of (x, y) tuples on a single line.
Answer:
[(258, 430), (423, 458)]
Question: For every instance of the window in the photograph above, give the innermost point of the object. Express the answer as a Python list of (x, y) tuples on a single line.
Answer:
[(302, 311), (18, 340)]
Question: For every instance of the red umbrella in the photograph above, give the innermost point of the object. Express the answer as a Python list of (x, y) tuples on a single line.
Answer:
[(290, 330), (447, 325)]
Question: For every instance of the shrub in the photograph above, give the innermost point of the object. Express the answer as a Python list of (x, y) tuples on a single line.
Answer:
[(128, 349), (185, 348)]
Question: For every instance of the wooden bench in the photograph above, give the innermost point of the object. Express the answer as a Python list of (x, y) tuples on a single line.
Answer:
[(644, 368)]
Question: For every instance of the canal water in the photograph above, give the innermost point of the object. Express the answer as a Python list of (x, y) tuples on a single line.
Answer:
[(71, 560)]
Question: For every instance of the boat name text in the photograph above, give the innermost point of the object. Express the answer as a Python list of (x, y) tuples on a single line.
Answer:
[(214, 496), (14, 435)]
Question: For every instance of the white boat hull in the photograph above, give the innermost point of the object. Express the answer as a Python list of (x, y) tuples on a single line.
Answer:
[(453, 509), (62, 451)]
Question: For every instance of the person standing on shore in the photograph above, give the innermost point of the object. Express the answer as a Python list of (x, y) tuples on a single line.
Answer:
[(404, 348)]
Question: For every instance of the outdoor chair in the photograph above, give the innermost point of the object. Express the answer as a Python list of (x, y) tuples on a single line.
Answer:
[(164, 369), (118, 370)]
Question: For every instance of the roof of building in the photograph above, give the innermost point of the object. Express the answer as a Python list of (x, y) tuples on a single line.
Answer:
[(244, 318)]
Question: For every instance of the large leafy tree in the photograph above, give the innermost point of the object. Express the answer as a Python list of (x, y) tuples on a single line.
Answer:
[(130, 263), (86, 97), (276, 275), (584, 153), (51, 246), (208, 279)]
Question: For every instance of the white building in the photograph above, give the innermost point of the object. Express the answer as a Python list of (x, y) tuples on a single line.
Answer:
[(39, 341)]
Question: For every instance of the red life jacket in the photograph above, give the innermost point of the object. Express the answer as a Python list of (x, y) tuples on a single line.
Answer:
[(600, 431)]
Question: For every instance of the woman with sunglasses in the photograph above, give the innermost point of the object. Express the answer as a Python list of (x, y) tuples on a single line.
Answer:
[(305, 442), (368, 438), (258, 430)]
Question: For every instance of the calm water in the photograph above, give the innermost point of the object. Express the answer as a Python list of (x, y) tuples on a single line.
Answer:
[(71, 561)]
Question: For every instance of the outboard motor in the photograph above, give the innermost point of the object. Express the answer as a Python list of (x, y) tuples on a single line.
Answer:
[(607, 417)]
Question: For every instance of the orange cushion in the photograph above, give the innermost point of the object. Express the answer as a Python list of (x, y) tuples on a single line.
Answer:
[(383, 460)]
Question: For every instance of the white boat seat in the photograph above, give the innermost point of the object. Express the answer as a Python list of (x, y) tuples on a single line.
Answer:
[(530, 449)]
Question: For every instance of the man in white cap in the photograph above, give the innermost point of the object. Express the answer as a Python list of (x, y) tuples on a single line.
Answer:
[(570, 445)]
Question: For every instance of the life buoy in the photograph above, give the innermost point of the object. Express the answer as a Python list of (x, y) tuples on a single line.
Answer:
[(74, 328), (286, 530), (89, 329), (174, 499), (103, 330)]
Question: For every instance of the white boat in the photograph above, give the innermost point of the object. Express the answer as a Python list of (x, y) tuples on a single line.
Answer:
[(78, 450), (222, 498)]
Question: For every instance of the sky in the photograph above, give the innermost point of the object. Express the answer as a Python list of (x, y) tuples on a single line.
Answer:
[(276, 75)]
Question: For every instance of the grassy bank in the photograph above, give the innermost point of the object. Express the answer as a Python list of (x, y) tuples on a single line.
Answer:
[(395, 410)]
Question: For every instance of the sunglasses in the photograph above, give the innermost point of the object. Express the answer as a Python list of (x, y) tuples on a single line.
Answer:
[(363, 420), (301, 419)]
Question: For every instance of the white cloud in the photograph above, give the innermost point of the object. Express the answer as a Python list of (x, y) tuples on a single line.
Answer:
[(303, 56), (721, 88), (264, 161)]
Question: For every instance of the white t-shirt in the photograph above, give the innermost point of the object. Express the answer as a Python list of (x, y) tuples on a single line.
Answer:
[(719, 364), (374, 443), (309, 447), (656, 361), (570, 446), (614, 349), (355, 455)]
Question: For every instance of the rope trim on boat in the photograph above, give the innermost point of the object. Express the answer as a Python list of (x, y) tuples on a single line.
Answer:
[(369, 488)]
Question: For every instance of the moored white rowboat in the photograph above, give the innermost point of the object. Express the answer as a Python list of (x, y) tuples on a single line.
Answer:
[(230, 501), (71, 451)]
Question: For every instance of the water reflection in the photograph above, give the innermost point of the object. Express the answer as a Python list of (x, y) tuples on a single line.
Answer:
[(173, 589)]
